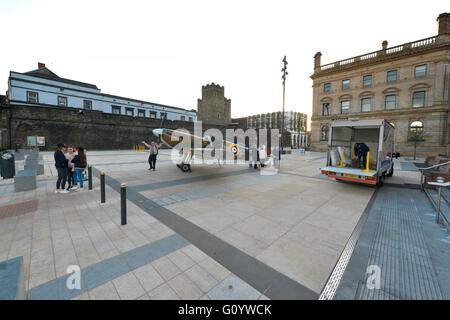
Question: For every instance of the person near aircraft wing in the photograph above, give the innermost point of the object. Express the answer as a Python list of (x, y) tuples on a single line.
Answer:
[(152, 155)]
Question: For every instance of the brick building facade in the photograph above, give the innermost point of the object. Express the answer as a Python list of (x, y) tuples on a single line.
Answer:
[(407, 84), (295, 125)]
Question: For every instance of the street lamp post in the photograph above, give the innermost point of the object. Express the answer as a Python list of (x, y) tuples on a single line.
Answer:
[(285, 73)]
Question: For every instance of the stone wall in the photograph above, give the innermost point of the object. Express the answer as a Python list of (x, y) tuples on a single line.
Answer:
[(213, 107), (4, 138), (242, 122), (90, 129)]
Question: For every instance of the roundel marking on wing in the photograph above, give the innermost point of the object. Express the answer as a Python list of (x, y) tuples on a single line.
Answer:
[(234, 149)]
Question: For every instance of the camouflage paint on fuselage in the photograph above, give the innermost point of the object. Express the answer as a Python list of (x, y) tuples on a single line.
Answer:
[(167, 139)]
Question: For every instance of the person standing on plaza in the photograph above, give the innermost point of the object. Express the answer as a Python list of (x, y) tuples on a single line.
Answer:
[(253, 157), (153, 153), (70, 167), (80, 163), (61, 164), (262, 155), (276, 157)]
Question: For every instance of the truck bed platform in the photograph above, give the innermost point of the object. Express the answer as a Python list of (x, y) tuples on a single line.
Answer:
[(350, 171)]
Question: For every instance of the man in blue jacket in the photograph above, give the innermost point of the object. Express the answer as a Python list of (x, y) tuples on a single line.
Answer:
[(61, 164), (360, 153)]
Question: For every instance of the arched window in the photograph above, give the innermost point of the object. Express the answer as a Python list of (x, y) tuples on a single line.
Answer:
[(416, 130), (326, 109), (324, 133)]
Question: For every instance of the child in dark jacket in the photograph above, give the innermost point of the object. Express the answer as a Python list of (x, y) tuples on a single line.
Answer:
[(80, 163), (61, 166)]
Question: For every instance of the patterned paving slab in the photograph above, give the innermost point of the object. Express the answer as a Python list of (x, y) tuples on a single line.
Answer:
[(107, 270), (260, 276), (11, 280), (18, 209)]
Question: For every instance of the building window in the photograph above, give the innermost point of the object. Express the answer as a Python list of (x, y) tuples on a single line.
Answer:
[(345, 84), (327, 87), (345, 106), (62, 101), (326, 109), (163, 114), (32, 97), (367, 81), (391, 76), (419, 99), (182, 118), (141, 113), (129, 111), (420, 71), (191, 119), (87, 104), (390, 102), (116, 109), (366, 104), (153, 114), (324, 133), (416, 130)]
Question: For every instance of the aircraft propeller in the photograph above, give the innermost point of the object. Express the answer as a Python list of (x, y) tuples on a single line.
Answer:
[(157, 132)]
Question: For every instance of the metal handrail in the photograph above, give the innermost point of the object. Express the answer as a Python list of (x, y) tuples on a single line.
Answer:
[(435, 166), (423, 169), (439, 185)]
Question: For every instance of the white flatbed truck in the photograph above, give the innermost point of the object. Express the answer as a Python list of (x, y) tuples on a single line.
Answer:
[(377, 134)]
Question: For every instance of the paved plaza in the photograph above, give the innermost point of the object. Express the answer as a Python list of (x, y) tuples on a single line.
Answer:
[(216, 233)]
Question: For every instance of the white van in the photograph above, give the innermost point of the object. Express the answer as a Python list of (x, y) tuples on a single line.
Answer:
[(377, 134)]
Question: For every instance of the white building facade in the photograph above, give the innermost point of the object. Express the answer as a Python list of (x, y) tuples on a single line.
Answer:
[(43, 87), (294, 122)]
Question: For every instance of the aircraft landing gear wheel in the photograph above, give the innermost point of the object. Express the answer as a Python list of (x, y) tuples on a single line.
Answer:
[(390, 172), (186, 167), (380, 181)]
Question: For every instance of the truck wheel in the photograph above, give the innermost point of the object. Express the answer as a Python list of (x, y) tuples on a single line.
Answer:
[(390, 172), (380, 181)]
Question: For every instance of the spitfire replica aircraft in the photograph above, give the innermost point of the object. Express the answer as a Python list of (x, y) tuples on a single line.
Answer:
[(183, 153), (188, 148)]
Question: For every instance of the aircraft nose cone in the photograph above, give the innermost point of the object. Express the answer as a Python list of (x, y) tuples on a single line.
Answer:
[(157, 132)]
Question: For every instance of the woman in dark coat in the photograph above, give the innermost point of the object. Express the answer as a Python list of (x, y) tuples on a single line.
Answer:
[(61, 167)]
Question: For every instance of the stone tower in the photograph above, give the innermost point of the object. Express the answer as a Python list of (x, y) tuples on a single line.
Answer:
[(213, 107)]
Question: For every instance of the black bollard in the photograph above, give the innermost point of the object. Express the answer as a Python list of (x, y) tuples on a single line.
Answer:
[(102, 187), (90, 177), (123, 204)]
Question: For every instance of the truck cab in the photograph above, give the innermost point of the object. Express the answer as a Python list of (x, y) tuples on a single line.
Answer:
[(376, 134)]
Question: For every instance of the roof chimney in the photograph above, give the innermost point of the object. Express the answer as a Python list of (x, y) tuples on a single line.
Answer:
[(444, 24), (317, 61), (41, 65)]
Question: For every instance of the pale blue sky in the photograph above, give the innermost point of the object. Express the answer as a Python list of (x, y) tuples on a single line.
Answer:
[(164, 51)]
